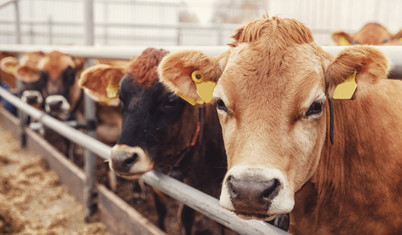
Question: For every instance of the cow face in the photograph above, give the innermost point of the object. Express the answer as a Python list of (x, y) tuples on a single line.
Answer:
[(157, 125), (370, 34), (271, 94), (61, 91)]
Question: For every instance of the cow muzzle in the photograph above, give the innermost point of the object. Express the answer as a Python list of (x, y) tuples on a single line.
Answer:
[(32, 97), (256, 193), (57, 105), (129, 162)]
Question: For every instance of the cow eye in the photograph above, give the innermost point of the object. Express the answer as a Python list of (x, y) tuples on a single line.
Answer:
[(221, 105), (315, 109), (171, 102), (386, 40), (355, 42)]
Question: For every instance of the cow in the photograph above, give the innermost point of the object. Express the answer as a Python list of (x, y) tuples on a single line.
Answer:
[(370, 34), (25, 73), (159, 129), (304, 131)]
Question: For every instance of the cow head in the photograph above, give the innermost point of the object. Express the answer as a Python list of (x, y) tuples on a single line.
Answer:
[(370, 34), (26, 73), (60, 87), (157, 124), (271, 94)]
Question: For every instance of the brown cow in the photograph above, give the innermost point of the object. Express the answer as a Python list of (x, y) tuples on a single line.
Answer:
[(370, 34), (274, 88)]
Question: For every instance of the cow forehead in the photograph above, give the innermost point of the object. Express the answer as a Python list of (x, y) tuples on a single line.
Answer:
[(258, 76)]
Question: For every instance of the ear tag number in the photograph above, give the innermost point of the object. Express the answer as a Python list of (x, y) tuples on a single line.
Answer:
[(346, 89), (111, 91), (343, 41), (204, 89)]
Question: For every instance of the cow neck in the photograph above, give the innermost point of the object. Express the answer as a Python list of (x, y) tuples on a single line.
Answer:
[(194, 141)]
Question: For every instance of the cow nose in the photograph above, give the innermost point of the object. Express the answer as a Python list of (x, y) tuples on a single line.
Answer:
[(123, 159), (252, 194), (32, 99), (55, 105)]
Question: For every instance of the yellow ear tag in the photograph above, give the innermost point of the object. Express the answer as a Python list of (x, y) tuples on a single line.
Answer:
[(11, 69), (400, 39), (346, 89), (343, 41), (111, 91), (204, 89)]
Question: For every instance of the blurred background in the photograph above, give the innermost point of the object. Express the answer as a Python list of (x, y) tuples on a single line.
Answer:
[(183, 22)]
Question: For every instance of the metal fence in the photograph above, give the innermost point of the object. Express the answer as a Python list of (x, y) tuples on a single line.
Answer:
[(182, 192), (158, 22)]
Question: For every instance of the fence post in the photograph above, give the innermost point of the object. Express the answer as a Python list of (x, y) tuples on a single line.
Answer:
[(90, 112), (17, 23)]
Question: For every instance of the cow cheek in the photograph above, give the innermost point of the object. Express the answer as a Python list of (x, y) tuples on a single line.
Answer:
[(309, 140)]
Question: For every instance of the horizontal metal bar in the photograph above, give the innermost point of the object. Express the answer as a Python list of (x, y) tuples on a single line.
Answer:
[(7, 3), (63, 129), (197, 200), (126, 52), (207, 205)]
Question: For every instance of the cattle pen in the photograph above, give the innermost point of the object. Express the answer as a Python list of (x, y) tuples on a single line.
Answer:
[(77, 181)]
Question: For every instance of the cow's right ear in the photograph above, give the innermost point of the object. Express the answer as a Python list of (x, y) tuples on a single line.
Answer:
[(342, 38), (190, 74), (7, 67), (102, 82)]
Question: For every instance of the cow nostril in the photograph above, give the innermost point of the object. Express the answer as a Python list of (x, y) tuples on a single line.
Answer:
[(271, 189), (130, 160), (232, 188)]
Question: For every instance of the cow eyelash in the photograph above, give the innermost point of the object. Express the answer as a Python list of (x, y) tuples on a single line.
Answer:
[(315, 108), (221, 105)]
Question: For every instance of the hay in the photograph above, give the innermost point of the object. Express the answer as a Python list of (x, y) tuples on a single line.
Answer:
[(32, 200)]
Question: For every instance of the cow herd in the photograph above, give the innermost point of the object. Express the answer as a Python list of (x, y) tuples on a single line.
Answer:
[(275, 127)]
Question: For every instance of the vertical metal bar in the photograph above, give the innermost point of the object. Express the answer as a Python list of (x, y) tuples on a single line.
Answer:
[(106, 21), (50, 30), (90, 112), (17, 23)]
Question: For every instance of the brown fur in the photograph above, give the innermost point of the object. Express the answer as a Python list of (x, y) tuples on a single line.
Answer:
[(143, 69), (54, 63), (27, 70), (369, 34), (351, 187), (7, 68)]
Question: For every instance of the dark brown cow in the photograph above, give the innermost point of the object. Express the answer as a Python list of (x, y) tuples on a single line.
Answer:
[(274, 88), (160, 130), (370, 34)]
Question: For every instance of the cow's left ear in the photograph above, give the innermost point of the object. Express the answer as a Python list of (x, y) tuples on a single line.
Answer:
[(342, 38), (190, 74), (102, 82), (353, 68)]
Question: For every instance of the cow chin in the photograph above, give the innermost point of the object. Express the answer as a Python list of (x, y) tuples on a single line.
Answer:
[(256, 193), (129, 162)]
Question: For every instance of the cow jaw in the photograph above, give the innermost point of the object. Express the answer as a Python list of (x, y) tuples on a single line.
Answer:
[(256, 193), (129, 162)]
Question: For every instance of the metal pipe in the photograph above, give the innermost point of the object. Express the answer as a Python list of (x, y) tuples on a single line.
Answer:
[(17, 23), (117, 52), (7, 3), (90, 112), (197, 200)]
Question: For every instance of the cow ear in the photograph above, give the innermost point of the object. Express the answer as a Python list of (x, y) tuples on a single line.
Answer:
[(398, 36), (101, 83), (342, 38), (353, 69), (190, 74), (7, 67)]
